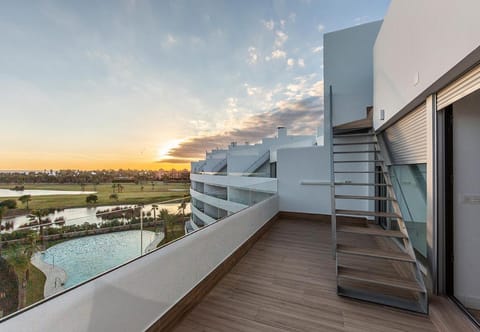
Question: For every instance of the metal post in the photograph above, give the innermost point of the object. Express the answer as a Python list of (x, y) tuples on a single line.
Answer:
[(332, 177), (141, 230)]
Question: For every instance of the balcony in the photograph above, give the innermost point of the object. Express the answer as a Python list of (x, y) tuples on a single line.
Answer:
[(219, 202), (256, 270), (287, 282)]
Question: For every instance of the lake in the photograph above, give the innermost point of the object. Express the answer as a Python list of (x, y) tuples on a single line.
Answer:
[(78, 216), (35, 192)]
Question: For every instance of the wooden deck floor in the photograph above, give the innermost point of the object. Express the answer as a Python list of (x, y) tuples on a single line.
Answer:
[(286, 282)]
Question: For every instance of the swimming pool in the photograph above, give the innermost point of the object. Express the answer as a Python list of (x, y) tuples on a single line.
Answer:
[(86, 257)]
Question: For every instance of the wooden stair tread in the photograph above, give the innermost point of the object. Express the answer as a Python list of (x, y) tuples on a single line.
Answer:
[(375, 231), (360, 172), (355, 143), (375, 253), (368, 213), (361, 184), (372, 198), (353, 135), (358, 161), (371, 278), (362, 151)]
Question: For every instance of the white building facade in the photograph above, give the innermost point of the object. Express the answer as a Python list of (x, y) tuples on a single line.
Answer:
[(424, 86), (230, 180)]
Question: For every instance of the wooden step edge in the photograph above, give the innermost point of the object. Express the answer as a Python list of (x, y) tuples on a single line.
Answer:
[(374, 253), (353, 135), (368, 213), (360, 172), (370, 198), (347, 273), (374, 231), (355, 143), (358, 161), (362, 184), (419, 305), (349, 152)]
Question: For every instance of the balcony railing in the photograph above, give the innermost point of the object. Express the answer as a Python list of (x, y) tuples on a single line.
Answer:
[(134, 295)]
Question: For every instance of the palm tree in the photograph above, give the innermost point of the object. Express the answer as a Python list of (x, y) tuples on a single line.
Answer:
[(165, 216), (29, 251), (154, 209), (182, 207), (25, 199)]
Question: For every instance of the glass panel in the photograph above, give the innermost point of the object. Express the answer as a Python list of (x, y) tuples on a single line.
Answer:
[(57, 234), (409, 183)]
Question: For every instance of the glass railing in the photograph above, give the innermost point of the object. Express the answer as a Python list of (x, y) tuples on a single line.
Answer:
[(47, 247), (140, 283)]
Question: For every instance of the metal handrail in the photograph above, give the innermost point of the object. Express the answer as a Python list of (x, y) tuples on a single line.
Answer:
[(332, 179)]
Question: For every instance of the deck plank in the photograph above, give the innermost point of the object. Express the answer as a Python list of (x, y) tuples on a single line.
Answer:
[(287, 282)]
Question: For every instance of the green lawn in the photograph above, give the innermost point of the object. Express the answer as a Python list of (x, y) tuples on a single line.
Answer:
[(132, 194), (35, 285)]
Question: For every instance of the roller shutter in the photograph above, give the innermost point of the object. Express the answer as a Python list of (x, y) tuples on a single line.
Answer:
[(407, 138), (458, 89)]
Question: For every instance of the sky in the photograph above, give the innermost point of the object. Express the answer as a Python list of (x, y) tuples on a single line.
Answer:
[(154, 84)]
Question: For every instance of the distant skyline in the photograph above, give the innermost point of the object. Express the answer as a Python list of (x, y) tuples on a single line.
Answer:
[(154, 84)]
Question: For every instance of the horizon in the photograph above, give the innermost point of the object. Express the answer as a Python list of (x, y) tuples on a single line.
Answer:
[(146, 85)]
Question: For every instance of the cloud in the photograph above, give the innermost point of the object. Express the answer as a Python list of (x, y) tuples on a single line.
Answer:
[(317, 49), (290, 62), (301, 62), (175, 160), (321, 27), (278, 54), (252, 55), (299, 116), (280, 38), (269, 25), (251, 90), (292, 17)]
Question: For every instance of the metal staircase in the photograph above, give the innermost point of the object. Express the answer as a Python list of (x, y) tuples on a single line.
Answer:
[(374, 256)]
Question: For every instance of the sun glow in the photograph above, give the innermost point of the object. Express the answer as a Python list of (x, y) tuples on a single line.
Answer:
[(163, 151)]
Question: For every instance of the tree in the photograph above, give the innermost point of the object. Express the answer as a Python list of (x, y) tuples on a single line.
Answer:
[(114, 197), (182, 207), (154, 210), (169, 221), (91, 199), (25, 199), (3, 209), (9, 204), (30, 250)]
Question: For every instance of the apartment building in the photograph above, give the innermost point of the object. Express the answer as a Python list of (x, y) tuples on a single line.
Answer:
[(228, 181), (384, 212)]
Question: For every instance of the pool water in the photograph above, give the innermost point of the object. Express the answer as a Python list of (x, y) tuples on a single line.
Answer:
[(86, 257)]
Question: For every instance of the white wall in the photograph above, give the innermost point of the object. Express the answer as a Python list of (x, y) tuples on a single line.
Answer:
[(420, 39), (466, 159), (135, 295), (348, 67), (308, 165)]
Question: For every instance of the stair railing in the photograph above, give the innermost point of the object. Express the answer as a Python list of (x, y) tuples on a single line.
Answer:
[(332, 178)]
